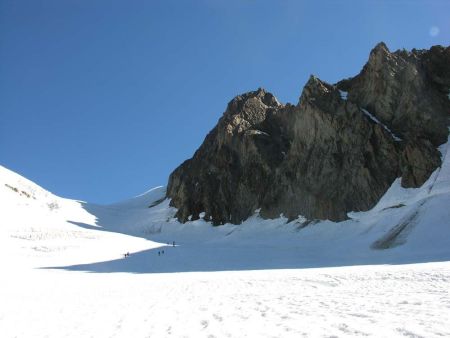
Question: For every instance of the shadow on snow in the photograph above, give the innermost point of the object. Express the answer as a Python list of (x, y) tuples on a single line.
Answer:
[(208, 258), (193, 255)]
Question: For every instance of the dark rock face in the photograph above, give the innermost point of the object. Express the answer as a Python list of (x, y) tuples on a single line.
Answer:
[(408, 92), (327, 155), (229, 174), (339, 160)]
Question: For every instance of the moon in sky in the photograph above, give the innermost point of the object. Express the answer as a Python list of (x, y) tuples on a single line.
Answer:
[(434, 31)]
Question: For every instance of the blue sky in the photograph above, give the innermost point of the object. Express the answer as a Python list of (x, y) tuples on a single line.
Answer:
[(101, 100)]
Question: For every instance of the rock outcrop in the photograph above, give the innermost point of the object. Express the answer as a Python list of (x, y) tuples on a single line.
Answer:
[(339, 149)]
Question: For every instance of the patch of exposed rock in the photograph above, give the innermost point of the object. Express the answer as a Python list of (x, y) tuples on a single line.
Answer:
[(331, 153)]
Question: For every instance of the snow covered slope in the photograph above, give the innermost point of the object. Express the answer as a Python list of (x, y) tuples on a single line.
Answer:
[(261, 278), (36, 225), (407, 225)]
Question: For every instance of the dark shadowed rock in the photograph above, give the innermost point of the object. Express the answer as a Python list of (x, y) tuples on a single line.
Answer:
[(408, 92), (339, 159), (418, 160), (399, 89), (228, 175), (331, 153)]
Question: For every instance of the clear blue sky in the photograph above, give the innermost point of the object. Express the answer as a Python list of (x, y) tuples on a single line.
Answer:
[(101, 100)]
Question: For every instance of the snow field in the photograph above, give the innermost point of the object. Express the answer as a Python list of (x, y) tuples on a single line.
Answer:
[(379, 301), (382, 273)]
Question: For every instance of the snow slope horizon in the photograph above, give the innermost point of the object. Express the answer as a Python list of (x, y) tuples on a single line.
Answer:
[(406, 226), (290, 279)]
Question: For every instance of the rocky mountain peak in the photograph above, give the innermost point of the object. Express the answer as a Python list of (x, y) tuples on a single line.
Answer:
[(314, 88), (406, 91), (319, 93), (380, 50), (338, 150), (251, 101), (244, 112)]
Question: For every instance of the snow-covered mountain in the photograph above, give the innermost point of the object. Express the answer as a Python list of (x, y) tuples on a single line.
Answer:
[(38, 225), (407, 225), (261, 278)]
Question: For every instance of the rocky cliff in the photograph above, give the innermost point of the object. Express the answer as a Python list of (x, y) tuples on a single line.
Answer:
[(338, 150)]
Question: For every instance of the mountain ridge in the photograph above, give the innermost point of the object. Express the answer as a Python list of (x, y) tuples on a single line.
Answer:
[(338, 150)]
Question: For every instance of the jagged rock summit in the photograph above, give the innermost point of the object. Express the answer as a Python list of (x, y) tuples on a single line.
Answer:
[(338, 150)]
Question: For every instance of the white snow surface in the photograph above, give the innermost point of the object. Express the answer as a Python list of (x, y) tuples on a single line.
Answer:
[(343, 94), (383, 273), (374, 119)]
